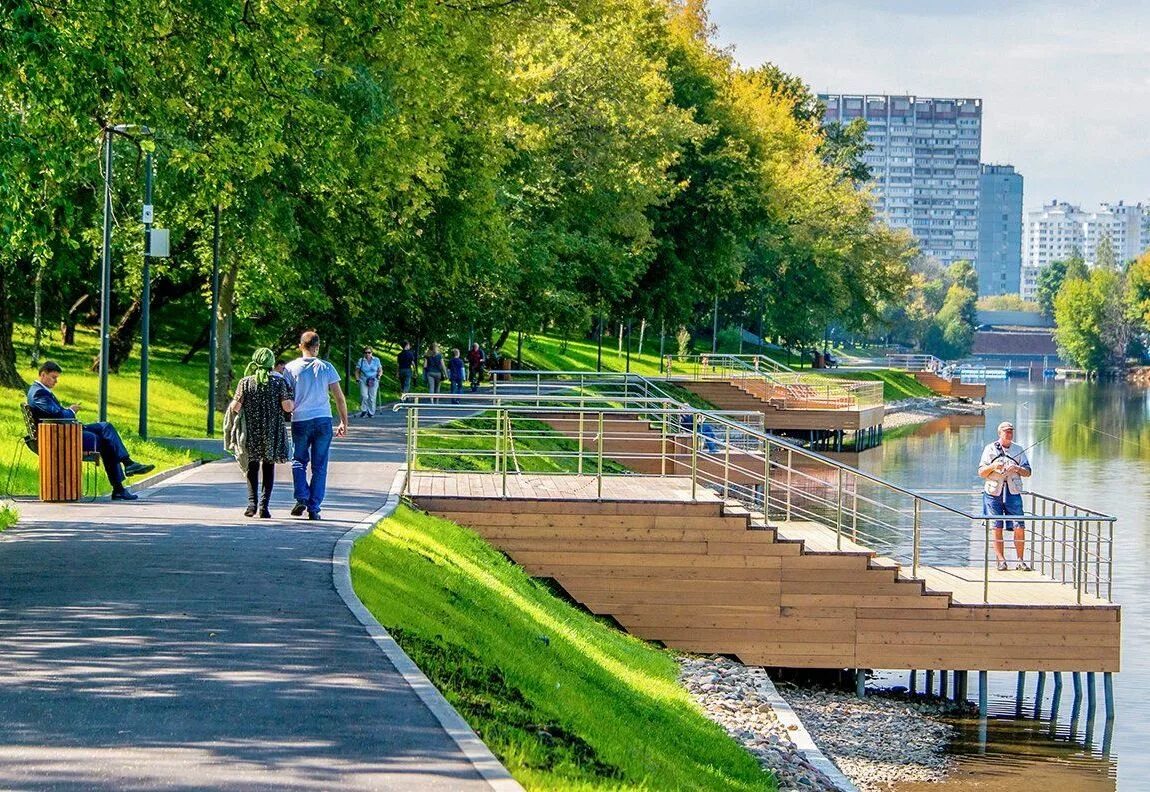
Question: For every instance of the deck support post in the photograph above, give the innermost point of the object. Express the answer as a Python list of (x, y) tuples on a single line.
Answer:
[(1091, 696), (1020, 691), (929, 683), (860, 683), (912, 685), (1108, 689), (942, 685), (1039, 692), (958, 687), (983, 684)]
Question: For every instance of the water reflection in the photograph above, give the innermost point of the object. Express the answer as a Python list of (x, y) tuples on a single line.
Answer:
[(1092, 448)]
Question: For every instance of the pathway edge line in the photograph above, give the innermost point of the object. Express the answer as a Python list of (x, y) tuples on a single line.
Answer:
[(474, 749)]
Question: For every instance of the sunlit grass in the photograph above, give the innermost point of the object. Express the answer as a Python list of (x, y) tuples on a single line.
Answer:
[(564, 700)]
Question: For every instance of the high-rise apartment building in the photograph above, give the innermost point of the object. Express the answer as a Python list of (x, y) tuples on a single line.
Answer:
[(999, 259), (1059, 229), (924, 160)]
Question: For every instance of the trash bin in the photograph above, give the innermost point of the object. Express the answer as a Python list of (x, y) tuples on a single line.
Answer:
[(61, 448)]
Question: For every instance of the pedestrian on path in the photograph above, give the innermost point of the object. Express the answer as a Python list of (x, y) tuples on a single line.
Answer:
[(262, 397), (367, 373), (434, 372), (405, 363), (1004, 464), (475, 362), (100, 437), (455, 372), (313, 381)]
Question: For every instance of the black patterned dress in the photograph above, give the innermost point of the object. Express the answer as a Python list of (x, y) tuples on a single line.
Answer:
[(266, 432)]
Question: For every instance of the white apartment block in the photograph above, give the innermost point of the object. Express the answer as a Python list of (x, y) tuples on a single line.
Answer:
[(1058, 229), (924, 160)]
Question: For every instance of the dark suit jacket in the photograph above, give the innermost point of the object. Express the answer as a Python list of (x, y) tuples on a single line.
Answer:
[(45, 405)]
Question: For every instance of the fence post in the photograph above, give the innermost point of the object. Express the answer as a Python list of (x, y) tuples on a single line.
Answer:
[(580, 468), (767, 481), (599, 474), (694, 455), (790, 487), (839, 513), (506, 446)]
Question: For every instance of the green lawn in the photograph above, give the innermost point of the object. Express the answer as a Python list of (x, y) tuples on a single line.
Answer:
[(553, 354), (565, 701), (469, 444), (177, 404), (895, 384)]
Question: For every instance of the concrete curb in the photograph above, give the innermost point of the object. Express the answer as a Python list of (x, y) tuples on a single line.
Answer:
[(799, 735), (480, 756)]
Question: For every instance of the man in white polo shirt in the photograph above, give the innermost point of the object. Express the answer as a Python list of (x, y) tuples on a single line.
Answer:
[(311, 432)]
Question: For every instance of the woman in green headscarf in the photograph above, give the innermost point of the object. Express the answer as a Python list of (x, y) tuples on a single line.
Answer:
[(262, 398)]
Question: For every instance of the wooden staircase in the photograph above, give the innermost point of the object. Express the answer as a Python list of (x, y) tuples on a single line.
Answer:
[(712, 577)]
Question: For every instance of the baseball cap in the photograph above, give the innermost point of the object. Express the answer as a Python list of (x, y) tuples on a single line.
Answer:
[(1005, 425)]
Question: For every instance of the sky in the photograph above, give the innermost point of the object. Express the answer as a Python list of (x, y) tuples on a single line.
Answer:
[(1065, 86)]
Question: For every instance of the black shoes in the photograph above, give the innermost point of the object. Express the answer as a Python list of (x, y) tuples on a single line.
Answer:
[(124, 495), (250, 511), (265, 514), (313, 516), (299, 508), (137, 469)]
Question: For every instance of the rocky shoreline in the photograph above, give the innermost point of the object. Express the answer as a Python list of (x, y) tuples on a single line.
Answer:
[(876, 742), (922, 409)]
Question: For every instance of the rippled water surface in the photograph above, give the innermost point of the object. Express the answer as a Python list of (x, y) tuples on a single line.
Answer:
[(1094, 450)]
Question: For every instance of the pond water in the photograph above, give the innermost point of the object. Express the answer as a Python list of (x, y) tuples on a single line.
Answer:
[(1093, 449)]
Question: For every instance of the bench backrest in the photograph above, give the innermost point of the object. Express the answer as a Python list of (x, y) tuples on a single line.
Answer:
[(30, 427)]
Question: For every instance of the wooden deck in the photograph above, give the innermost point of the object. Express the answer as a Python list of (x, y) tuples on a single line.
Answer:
[(705, 576), (785, 416)]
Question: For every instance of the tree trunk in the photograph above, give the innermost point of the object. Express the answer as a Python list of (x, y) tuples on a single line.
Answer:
[(123, 337), (201, 342), (9, 376), (503, 336), (38, 316), (224, 335), (68, 321)]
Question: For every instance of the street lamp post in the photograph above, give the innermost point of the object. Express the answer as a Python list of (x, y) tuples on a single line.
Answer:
[(146, 297), (106, 274)]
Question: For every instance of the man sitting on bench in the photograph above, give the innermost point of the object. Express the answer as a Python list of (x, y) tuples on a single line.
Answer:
[(99, 437)]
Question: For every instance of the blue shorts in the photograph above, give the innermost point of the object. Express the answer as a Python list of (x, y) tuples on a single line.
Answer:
[(994, 505)]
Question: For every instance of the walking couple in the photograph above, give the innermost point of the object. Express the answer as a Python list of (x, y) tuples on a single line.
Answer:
[(256, 425)]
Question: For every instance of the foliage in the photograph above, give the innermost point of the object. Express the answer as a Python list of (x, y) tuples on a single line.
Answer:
[(564, 701), (1050, 280), (9, 516), (939, 315), (425, 171), (1006, 302), (1084, 313)]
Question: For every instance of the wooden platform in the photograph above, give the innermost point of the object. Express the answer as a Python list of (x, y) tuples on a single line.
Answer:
[(705, 576), (952, 387), (785, 415)]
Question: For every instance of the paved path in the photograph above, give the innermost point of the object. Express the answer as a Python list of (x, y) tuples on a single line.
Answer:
[(173, 643)]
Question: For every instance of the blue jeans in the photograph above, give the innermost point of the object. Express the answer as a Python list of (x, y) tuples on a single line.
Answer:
[(993, 505), (312, 441), (456, 387), (405, 380), (103, 438)]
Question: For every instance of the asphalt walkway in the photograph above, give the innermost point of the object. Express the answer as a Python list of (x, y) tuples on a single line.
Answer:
[(173, 643)]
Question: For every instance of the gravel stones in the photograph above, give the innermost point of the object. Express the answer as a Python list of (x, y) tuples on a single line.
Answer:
[(876, 742)]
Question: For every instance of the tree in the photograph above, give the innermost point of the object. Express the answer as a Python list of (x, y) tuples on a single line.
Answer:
[(1050, 280), (1092, 317), (1104, 255), (1076, 268)]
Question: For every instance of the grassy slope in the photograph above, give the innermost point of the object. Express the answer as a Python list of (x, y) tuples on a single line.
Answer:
[(564, 700), (468, 444), (177, 399), (895, 384)]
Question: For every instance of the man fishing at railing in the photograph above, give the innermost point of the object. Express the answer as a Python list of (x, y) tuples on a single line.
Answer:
[(1004, 465)]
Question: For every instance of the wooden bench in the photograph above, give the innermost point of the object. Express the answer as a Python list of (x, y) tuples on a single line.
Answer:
[(31, 441)]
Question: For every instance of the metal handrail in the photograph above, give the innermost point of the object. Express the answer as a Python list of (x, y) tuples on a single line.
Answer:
[(1076, 546)]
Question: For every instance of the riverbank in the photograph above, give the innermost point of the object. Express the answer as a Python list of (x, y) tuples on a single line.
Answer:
[(907, 412), (875, 742)]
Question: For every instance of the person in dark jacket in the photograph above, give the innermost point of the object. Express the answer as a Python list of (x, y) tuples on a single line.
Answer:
[(405, 362), (100, 437), (455, 373), (475, 362)]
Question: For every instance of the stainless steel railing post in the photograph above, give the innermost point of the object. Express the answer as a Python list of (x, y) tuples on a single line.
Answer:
[(599, 461), (986, 539), (694, 455), (506, 446), (790, 487), (579, 468), (839, 513)]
